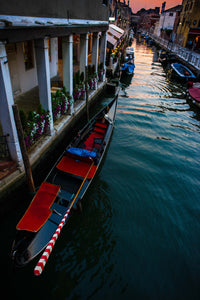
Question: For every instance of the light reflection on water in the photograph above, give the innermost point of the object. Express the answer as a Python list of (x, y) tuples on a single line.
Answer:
[(138, 234)]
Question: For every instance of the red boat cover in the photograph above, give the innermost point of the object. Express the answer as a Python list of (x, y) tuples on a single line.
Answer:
[(39, 211), (195, 93), (76, 167)]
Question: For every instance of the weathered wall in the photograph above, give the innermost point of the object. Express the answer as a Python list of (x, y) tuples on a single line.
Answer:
[(74, 9)]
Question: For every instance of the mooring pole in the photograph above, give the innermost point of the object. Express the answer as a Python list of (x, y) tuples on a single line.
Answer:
[(86, 90), (25, 157)]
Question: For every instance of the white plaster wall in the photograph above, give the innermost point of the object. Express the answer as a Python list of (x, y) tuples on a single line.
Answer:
[(28, 78), (54, 57)]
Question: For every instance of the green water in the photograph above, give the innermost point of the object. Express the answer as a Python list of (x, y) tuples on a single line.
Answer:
[(138, 236)]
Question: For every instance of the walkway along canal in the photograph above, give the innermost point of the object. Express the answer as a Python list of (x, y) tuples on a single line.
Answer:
[(138, 234)]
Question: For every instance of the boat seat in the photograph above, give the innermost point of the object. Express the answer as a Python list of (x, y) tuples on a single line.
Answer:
[(39, 210), (76, 167), (89, 142), (65, 195), (100, 130), (101, 125)]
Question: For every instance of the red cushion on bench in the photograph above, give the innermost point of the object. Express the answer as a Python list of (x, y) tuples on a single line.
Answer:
[(39, 211), (90, 140), (76, 167), (102, 125)]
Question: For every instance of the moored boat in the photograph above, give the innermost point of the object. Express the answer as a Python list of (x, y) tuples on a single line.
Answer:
[(128, 68), (193, 93), (181, 72), (64, 187), (130, 51)]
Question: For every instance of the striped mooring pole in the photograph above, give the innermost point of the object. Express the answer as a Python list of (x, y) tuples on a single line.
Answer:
[(42, 262)]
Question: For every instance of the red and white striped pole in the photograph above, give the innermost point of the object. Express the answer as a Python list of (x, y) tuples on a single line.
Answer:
[(42, 262)]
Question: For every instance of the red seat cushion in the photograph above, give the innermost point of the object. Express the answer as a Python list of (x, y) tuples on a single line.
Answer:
[(102, 125), (76, 167), (39, 211), (90, 140)]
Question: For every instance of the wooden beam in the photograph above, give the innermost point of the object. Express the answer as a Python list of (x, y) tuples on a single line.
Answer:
[(26, 161)]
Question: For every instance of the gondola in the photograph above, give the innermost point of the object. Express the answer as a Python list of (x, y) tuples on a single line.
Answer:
[(128, 66), (66, 184), (181, 72), (193, 92)]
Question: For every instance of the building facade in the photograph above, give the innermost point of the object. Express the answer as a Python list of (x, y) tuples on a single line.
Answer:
[(167, 25), (29, 48), (188, 31)]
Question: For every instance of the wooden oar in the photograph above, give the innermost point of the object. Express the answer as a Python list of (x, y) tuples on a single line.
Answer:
[(42, 262)]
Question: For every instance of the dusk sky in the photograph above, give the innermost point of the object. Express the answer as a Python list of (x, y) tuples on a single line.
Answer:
[(138, 4)]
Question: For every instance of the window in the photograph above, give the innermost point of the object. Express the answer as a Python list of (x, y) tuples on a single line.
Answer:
[(171, 14), (28, 54)]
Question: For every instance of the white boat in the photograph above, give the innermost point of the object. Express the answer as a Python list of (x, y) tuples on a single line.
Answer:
[(130, 51)]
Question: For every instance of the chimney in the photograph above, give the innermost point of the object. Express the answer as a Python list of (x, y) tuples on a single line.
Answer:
[(163, 7)]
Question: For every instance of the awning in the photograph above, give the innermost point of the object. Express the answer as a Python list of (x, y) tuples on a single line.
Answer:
[(111, 40), (116, 28), (114, 35)]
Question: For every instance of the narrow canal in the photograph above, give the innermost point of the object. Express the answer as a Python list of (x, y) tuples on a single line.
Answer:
[(138, 236)]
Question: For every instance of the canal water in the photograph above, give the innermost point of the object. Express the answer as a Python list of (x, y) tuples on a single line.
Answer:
[(138, 236)]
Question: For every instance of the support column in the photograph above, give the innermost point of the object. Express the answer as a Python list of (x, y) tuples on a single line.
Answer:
[(103, 50), (43, 74), (95, 50), (83, 52), (6, 113), (67, 54)]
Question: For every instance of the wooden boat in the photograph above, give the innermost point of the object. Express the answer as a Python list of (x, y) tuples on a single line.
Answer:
[(181, 72), (66, 183), (128, 68), (130, 51), (193, 93)]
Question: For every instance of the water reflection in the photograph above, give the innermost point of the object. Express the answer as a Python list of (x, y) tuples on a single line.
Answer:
[(138, 234), (87, 251)]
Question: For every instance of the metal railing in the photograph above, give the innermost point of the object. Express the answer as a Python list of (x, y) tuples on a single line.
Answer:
[(4, 151), (187, 55)]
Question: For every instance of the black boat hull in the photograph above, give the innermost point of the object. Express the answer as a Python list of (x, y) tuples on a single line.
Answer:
[(28, 245)]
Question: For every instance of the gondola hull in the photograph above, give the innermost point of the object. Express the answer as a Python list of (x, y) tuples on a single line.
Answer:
[(181, 73), (69, 180)]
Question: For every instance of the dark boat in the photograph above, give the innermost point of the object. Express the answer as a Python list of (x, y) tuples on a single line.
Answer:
[(166, 58), (181, 72), (193, 93), (66, 184), (128, 68)]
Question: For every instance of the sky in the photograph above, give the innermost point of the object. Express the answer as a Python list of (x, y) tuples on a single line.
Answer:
[(138, 4)]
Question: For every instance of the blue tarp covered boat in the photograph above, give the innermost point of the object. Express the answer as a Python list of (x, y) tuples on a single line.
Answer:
[(128, 67)]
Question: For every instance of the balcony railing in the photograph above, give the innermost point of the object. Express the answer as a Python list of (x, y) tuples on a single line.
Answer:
[(187, 55)]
